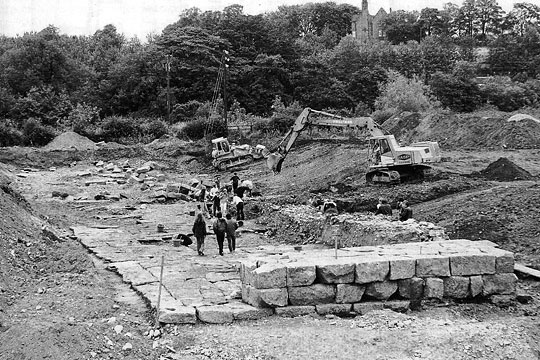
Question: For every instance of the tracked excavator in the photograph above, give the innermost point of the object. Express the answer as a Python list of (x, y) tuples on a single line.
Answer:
[(388, 162)]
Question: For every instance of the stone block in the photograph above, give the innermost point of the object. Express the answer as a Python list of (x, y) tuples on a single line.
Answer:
[(243, 311), (349, 293), (434, 288), (312, 295), (273, 297), (412, 288), (456, 287), (433, 266), (371, 270), (472, 265), (402, 269), (264, 297), (335, 273), (334, 309), (294, 311), (476, 285), (174, 188), (246, 271), (179, 314), (401, 306), (301, 275), (366, 307), (499, 284), (381, 290), (505, 263), (143, 169), (270, 276), (215, 314), (502, 300)]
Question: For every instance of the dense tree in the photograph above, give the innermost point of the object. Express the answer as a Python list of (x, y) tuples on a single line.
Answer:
[(402, 26), (301, 54), (489, 17), (457, 93), (523, 16)]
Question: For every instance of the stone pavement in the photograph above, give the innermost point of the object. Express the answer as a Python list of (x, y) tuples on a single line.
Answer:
[(207, 288)]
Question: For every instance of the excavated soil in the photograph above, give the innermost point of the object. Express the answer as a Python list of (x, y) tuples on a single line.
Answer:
[(505, 170), (482, 130)]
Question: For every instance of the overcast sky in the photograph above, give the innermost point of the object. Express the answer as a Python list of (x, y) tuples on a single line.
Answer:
[(141, 17)]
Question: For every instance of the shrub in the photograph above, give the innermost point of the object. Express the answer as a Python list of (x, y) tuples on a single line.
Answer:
[(403, 94), (197, 129), (283, 117), (154, 129), (84, 119), (36, 134), (456, 93), (9, 135), (185, 111), (120, 129), (262, 125), (508, 95)]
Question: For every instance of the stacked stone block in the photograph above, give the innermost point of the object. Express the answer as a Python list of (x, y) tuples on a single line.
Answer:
[(318, 282)]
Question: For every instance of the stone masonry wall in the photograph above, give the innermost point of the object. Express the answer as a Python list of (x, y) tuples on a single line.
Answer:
[(302, 282)]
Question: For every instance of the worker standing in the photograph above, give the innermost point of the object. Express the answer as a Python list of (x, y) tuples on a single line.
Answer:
[(232, 225), (220, 228), (199, 230), (202, 198), (239, 203), (235, 180), (223, 200), (214, 196)]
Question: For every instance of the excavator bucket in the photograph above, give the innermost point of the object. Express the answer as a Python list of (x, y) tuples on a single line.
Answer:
[(274, 162)]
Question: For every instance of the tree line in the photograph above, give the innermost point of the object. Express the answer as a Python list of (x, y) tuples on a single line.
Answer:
[(106, 85)]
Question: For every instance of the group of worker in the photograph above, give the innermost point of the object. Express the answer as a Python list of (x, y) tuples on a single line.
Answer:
[(223, 198), (384, 208)]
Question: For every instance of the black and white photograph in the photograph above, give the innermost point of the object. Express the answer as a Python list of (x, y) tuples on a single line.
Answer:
[(281, 180)]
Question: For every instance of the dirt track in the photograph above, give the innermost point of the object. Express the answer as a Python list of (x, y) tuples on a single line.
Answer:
[(71, 312)]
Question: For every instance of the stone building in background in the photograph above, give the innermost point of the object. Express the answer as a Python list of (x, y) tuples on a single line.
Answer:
[(367, 28)]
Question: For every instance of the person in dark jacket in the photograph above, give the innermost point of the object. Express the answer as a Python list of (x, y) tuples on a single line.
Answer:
[(235, 180), (199, 230), (232, 225), (220, 228), (383, 208), (405, 213)]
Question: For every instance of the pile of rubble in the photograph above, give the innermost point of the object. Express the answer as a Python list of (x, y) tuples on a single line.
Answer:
[(304, 224), (147, 175)]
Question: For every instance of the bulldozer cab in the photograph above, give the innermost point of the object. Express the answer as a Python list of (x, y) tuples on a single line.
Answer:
[(220, 146)]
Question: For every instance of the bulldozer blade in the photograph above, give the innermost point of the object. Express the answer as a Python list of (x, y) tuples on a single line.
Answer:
[(274, 162)]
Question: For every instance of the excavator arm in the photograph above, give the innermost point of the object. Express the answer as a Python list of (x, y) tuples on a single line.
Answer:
[(275, 160)]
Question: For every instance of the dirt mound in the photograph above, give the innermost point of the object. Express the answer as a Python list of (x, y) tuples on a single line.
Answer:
[(471, 131), (71, 141), (505, 170)]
